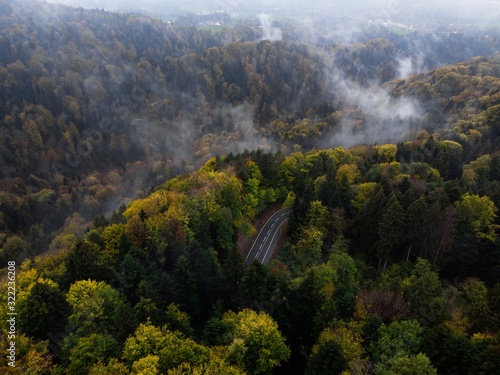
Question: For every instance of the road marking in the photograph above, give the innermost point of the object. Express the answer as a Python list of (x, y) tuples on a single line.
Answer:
[(268, 220), (275, 233), (268, 232), (272, 226)]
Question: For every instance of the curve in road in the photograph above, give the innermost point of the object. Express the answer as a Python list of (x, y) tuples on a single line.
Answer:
[(265, 244)]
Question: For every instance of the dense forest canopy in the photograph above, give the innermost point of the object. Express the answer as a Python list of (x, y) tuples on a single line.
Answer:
[(137, 154)]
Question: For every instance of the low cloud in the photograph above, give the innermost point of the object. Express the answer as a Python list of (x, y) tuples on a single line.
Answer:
[(371, 114), (269, 31)]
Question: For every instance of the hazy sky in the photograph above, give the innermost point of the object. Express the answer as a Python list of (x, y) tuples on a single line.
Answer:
[(473, 10)]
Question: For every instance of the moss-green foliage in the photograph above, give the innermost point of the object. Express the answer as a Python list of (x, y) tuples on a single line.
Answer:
[(360, 279)]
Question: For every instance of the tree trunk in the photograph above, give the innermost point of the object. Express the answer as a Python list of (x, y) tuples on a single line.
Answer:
[(409, 252)]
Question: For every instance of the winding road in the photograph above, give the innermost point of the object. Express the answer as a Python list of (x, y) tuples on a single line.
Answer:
[(265, 244)]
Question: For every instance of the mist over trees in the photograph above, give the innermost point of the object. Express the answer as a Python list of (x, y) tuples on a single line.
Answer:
[(137, 155)]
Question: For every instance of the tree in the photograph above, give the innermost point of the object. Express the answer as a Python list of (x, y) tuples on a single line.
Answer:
[(215, 366), (258, 339), (418, 364), (448, 159), (15, 248), (253, 288), (318, 217), (307, 251), (113, 367), (224, 227), (178, 350), (31, 357), (97, 308), (43, 310), (397, 339), (451, 352), (146, 366), (447, 233), (423, 292), (476, 173), (85, 261), (336, 352), (345, 284), (184, 282), (371, 201), (415, 223), (178, 320), (477, 216), (90, 350), (390, 229), (171, 348), (147, 340), (336, 281), (476, 308)]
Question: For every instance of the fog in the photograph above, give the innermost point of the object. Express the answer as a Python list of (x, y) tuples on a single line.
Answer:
[(424, 12), (321, 22), (357, 101)]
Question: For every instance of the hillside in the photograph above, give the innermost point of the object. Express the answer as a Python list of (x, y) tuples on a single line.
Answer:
[(388, 261), (135, 153), (96, 106)]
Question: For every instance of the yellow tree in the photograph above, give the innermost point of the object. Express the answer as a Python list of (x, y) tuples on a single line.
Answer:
[(256, 341)]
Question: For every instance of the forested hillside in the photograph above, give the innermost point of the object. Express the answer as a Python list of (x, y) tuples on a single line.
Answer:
[(389, 265), (98, 106), (136, 154)]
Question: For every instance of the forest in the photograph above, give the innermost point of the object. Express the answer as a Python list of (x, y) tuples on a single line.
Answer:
[(137, 155)]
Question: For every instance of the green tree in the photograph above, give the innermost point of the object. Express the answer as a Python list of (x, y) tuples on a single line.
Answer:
[(253, 288), (43, 310), (146, 366), (178, 350), (390, 229), (336, 352), (147, 340), (318, 217), (423, 292), (448, 159), (215, 366), (337, 281), (113, 367), (397, 339), (418, 364), (185, 287), (15, 248), (97, 308), (415, 224), (307, 251), (85, 261), (477, 216), (178, 320), (450, 351), (476, 173), (371, 201), (260, 342), (476, 307), (171, 348), (225, 231), (90, 350)]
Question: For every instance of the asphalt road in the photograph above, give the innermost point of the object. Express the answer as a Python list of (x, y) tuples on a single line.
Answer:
[(265, 244)]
